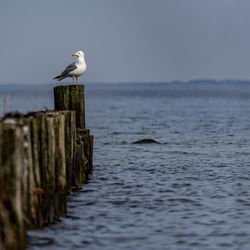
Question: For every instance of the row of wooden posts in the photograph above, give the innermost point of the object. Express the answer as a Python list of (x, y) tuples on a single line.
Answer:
[(42, 156)]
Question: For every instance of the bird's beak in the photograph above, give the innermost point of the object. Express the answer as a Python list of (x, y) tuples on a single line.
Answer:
[(74, 54)]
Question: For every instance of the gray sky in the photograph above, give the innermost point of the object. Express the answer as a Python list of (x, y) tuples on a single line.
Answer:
[(125, 40)]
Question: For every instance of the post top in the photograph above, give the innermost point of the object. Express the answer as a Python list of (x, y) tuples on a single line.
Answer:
[(69, 86), (71, 97)]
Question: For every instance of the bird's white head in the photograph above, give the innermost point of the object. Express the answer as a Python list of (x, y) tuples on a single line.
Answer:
[(78, 54)]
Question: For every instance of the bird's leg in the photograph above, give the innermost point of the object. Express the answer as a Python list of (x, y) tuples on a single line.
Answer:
[(76, 81), (73, 78)]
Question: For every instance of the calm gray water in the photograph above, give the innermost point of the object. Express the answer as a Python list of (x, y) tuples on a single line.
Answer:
[(191, 191)]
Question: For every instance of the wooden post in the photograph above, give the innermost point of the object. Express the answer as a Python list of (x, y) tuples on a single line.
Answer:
[(11, 176), (35, 190), (71, 98), (70, 142), (91, 153), (84, 153), (57, 163)]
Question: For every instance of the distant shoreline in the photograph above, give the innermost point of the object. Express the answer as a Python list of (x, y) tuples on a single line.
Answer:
[(195, 81)]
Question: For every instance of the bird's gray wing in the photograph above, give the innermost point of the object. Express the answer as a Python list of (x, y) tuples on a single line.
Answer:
[(70, 68)]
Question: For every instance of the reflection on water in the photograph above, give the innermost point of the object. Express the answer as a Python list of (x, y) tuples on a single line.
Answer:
[(191, 191)]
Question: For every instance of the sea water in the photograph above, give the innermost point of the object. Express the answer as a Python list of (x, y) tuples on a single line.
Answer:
[(189, 191)]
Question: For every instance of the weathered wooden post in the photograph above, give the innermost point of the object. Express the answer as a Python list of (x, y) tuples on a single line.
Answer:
[(11, 194), (71, 98), (70, 141), (35, 190), (58, 165)]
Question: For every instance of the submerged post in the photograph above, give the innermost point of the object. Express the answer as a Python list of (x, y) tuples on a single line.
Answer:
[(71, 98)]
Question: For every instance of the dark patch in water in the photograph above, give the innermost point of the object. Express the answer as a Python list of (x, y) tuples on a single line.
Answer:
[(145, 141)]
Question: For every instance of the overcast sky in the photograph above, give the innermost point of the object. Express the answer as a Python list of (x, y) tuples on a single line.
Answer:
[(125, 40)]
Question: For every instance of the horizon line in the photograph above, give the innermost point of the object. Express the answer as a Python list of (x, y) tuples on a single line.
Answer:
[(194, 80)]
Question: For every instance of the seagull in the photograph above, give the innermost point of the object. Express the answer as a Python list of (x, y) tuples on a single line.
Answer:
[(75, 69)]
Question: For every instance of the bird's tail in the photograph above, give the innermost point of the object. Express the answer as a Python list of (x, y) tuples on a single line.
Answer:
[(59, 78)]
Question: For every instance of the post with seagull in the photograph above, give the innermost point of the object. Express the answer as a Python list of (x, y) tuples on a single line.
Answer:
[(71, 98), (43, 156)]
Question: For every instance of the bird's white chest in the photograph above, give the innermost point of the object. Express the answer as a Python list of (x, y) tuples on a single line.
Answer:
[(81, 68)]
